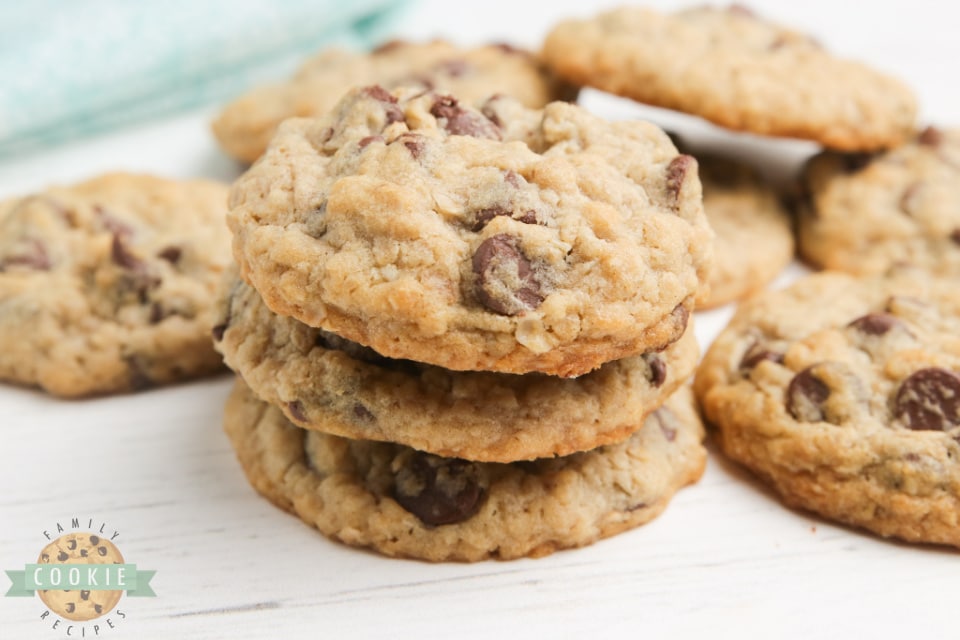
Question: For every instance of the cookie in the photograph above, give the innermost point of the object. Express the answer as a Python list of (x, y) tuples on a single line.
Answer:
[(108, 285), (844, 395), (754, 231), (866, 214), (737, 70), (321, 381), (509, 240), (246, 125), (80, 548), (402, 502)]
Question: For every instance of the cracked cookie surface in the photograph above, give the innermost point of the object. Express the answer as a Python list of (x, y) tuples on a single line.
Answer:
[(507, 239), (844, 395), (737, 70), (321, 381), (108, 285), (245, 126), (404, 503)]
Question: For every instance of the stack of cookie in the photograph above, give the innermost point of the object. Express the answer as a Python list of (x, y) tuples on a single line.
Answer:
[(463, 333)]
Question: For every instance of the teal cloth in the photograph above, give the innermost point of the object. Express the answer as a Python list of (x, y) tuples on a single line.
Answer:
[(72, 67)]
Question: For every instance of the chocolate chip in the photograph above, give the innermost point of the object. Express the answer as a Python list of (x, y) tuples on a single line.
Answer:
[(490, 113), (875, 324), (484, 216), (98, 608), (657, 372), (506, 281), (362, 413), (637, 507), (171, 254), (463, 122), (218, 331), (806, 395), (71, 607), (513, 178), (139, 380), (389, 45), (156, 313), (122, 256), (45, 557), (666, 420), (315, 224), (84, 595), (682, 316), (929, 399), (438, 491), (62, 556), (453, 68), (756, 354), (71, 544), (387, 99), (677, 172), (414, 143), (931, 136), (102, 551), (295, 409), (331, 341), (506, 47), (33, 256), (854, 162), (955, 236), (83, 553), (365, 141)]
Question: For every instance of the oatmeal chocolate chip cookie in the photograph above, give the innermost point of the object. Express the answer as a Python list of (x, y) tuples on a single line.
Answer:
[(108, 285), (402, 502), (509, 240), (754, 232), (321, 381), (245, 126), (737, 70), (80, 548), (865, 214), (844, 395)]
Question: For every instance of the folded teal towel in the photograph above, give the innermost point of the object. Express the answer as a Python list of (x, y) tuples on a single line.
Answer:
[(70, 67)]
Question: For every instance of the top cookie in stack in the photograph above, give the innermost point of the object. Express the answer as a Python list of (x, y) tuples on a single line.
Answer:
[(508, 239)]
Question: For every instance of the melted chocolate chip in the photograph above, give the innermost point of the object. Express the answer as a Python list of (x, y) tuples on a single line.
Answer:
[(756, 354), (677, 172), (365, 141), (414, 143), (295, 410), (122, 256), (806, 395), (506, 281), (62, 556), (463, 122), (171, 254), (218, 331), (157, 313), (657, 373), (490, 113), (854, 162), (513, 178), (362, 413), (874, 324), (33, 256), (931, 136), (387, 99), (484, 216), (438, 491), (682, 316), (929, 399)]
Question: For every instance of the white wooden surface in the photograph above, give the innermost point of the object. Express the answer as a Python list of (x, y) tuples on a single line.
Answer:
[(725, 560)]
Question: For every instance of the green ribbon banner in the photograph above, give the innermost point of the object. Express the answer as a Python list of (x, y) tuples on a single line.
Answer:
[(86, 577)]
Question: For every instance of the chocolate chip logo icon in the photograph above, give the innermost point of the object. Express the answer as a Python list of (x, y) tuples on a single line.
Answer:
[(79, 549)]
